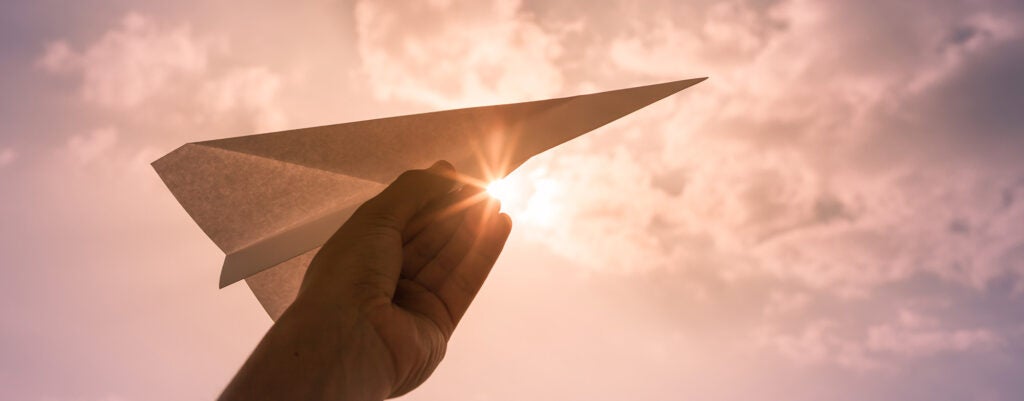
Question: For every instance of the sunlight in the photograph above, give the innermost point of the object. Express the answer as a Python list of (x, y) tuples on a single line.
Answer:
[(529, 195), (542, 206), (500, 189)]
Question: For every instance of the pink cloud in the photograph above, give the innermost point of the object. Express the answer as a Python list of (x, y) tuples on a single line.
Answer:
[(787, 196), (254, 91), (131, 63), (7, 156), (777, 168), (768, 176), (145, 65), (911, 336), (785, 303), (925, 342), (765, 154), (88, 148), (895, 225), (819, 342), (456, 53)]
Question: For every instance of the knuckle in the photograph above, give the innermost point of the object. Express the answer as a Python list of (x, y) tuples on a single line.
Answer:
[(448, 260), (376, 220), (411, 176), (421, 253)]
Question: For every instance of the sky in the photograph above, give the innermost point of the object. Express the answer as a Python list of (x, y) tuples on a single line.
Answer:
[(836, 213)]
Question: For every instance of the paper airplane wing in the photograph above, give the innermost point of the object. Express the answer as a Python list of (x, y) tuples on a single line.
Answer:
[(269, 201)]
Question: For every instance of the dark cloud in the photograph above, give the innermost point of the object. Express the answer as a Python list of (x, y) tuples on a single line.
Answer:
[(978, 107)]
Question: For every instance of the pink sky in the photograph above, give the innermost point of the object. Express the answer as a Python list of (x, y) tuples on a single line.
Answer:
[(837, 213)]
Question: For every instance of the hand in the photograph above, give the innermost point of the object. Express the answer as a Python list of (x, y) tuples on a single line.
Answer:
[(383, 296)]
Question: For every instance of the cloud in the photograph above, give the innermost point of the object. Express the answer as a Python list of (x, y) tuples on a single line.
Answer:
[(88, 148), (782, 165), (456, 53), (7, 156), (843, 160), (659, 45), (784, 303), (975, 33), (920, 342), (910, 336), (838, 167), (253, 91), (567, 205), (783, 162), (952, 223), (819, 342), (168, 72), (132, 62)]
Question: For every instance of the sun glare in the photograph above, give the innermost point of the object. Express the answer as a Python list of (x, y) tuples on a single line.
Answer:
[(535, 201), (499, 189)]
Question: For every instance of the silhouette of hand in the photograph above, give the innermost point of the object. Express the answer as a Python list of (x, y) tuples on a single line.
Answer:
[(383, 296)]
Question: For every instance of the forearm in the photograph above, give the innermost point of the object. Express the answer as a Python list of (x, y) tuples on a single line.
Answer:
[(315, 356)]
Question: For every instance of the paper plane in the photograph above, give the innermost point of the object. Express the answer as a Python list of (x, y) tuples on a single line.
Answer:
[(269, 201)]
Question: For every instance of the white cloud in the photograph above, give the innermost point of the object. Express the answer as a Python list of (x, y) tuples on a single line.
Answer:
[(7, 156), (883, 348), (571, 208), (253, 91), (909, 336), (768, 157), (456, 53), (142, 66), (774, 176), (927, 342), (783, 168), (58, 57), (132, 62), (952, 223), (88, 148), (819, 342), (784, 303), (780, 165), (661, 45)]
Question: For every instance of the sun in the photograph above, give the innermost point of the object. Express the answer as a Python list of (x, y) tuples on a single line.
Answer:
[(499, 189), (535, 200)]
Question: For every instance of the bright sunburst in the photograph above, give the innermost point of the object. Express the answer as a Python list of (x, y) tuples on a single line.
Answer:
[(499, 189)]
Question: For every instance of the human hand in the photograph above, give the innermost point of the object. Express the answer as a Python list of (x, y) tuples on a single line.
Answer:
[(383, 296)]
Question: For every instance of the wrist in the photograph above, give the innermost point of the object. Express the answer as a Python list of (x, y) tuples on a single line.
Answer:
[(339, 349), (313, 353)]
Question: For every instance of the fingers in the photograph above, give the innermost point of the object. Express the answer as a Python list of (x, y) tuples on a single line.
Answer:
[(459, 269), (437, 269), (439, 209), (462, 285), (439, 225), (411, 192), (371, 240)]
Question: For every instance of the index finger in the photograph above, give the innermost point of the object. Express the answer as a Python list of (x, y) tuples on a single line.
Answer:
[(408, 194)]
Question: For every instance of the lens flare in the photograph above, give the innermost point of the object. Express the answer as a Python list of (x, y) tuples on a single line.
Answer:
[(499, 189)]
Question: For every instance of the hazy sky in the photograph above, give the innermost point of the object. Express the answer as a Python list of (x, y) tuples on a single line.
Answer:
[(836, 214)]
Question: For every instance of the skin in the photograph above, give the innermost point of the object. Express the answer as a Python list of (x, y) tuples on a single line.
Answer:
[(382, 297)]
